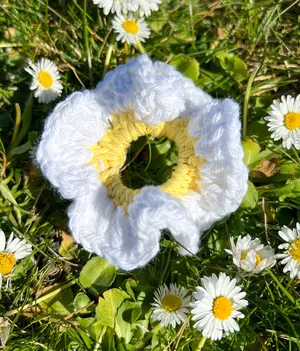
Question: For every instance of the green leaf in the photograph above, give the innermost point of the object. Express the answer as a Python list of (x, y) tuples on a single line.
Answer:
[(290, 190), (81, 300), (22, 148), (187, 66), (251, 150), (233, 65), (127, 314), (288, 169), (108, 305), (97, 275), (251, 197), (60, 303), (157, 24), (6, 193)]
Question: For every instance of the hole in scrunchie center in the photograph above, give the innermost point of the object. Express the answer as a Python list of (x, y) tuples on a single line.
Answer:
[(149, 161)]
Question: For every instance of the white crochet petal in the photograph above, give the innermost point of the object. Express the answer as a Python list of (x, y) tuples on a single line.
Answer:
[(75, 124), (195, 99), (130, 241), (224, 175), (155, 91)]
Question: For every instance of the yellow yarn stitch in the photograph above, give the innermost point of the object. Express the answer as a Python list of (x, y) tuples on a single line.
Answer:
[(109, 156)]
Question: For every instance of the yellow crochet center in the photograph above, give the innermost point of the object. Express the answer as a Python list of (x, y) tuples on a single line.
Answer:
[(109, 156)]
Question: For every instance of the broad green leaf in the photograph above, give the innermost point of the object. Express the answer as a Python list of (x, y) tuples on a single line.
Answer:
[(97, 275), (251, 197), (108, 305), (127, 314), (233, 65), (251, 150), (187, 66), (157, 24), (125, 347), (130, 283), (97, 330), (85, 322), (80, 301), (288, 169), (108, 341), (61, 303)]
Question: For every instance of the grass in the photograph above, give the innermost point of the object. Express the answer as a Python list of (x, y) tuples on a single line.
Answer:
[(248, 50)]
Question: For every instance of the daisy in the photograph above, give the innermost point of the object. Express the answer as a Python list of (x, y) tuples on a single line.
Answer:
[(291, 256), (11, 251), (284, 121), (171, 305), (217, 305), (123, 6), (250, 255), (130, 29), (45, 80)]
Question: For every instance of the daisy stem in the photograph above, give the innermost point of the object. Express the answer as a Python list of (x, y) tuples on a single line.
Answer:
[(26, 120), (246, 100), (107, 58), (296, 154), (17, 125), (201, 343), (140, 47), (86, 42), (43, 298), (281, 287)]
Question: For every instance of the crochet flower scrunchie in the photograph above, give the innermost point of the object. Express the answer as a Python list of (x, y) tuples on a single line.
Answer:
[(84, 147)]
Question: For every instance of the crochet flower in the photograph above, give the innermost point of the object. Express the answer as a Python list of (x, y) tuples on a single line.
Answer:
[(84, 146)]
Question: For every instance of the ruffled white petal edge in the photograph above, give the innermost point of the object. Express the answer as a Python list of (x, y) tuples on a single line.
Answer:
[(155, 91), (75, 124), (224, 175), (130, 241)]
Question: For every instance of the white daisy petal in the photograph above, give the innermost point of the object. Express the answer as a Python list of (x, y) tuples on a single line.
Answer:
[(2, 240), (223, 310), (291, 255), (124, 6)]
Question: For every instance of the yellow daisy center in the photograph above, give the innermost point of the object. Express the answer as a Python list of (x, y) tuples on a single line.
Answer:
[(222, 307), (45, 79), (7, 262), (131, 26), (257, 256), (171, 302), (109, 156), (292, 120), (295, 250)]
